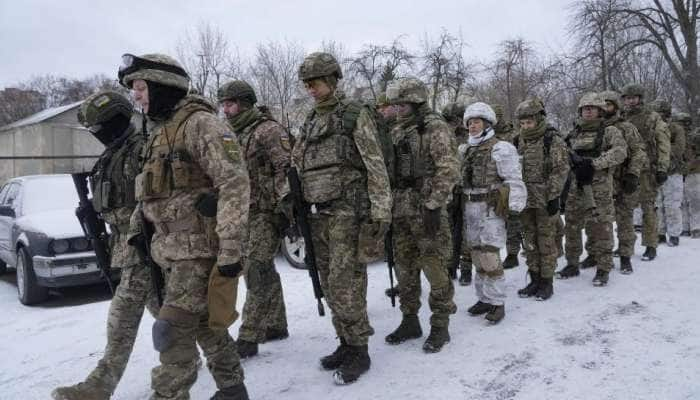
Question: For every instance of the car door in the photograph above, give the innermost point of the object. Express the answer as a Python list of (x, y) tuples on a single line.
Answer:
[(8, 196)]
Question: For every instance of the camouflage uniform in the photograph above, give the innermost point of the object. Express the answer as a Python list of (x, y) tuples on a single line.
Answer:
[(692, 183), (670, 194), (490, 166), (686, 122), (112, 185), (605, 147), (425, 173), (504, 131), (545, 168), (189, 156), (266, 148), (657, 146), (634, 164), (344, 177)]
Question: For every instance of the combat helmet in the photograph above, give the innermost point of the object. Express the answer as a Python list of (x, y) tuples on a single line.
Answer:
[(683, 118), (158, 68), (453, 112), (633, 89), (237, 90), (591, 99), (613, 97), (102, 106), (319, 65), (529, 108), (406, 90), (662, 107), (480, 110)]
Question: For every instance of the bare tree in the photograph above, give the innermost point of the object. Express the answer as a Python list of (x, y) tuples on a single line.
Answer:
[(16, 104), (436, 60)]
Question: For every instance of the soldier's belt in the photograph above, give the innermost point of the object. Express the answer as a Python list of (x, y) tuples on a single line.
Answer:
[(173, 227), (476, 197)]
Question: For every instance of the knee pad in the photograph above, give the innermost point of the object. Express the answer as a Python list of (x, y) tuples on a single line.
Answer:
[(163, 335)]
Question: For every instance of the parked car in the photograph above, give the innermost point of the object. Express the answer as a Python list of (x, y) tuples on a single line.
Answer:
[(41, 237)]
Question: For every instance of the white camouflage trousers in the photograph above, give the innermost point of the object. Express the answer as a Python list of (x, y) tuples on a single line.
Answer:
[(692, 193), (668, 206), (486, 235)]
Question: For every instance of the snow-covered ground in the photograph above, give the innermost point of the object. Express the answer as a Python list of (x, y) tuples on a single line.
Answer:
[(637, 338)]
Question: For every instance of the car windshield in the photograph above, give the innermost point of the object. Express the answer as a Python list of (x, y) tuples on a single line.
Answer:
[(48, 194)]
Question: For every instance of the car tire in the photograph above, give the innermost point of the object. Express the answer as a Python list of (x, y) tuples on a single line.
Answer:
[(28, 290), (294, 251)]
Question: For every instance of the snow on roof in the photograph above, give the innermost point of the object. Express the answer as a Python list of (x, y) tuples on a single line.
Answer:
[(41, 116)]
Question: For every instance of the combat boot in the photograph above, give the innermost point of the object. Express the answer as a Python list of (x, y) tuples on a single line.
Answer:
[(496, 314), (355, 363), (673, 241), (662, 239), (638, 228), (392, 292), (616, 253), (601, 278), (649, 254), (511, 261), (589, 262), (545, 290), (81, 391), (272, 334), (695, 234), (479, 308), (465, 277), (246, 349), (335, 359), (531, 289), (439, 336), (237, 392), (409, 328), (625, 265), (567, 272)]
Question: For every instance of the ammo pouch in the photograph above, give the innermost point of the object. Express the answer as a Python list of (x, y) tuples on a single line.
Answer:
[(222, 294), (499, 201), (325, 159), (369, 247)]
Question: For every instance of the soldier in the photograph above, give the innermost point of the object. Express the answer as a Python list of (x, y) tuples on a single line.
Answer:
[(266, 148), (657, 146), (686, 122), (545, 163), (670, 194), (343, 176), (190, 158), (107, 115), (492, 188), (425, 173), (692, 183), (595, 151), (454, 114), (504, 131), (625, 181)]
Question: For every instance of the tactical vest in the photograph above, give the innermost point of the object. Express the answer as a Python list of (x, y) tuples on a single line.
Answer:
[(586, 145), (331, 163), (645, 125), (413, 160), (260, 169), (537, 162), (112, 178), (168, 165), (479, 170)]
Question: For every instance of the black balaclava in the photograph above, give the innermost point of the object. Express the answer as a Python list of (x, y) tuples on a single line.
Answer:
[(162, 100), (112, 130)]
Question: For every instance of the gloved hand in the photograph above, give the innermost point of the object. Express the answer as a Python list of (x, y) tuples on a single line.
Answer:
[(661, 177), (553, 206), (230, 270), (630, 183), (431, 221), (584, 172), (206, 204)]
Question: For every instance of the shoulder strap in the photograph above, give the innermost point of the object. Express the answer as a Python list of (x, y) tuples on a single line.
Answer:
[(348, 116)]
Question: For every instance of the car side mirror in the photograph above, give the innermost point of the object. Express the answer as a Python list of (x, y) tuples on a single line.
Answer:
[(7, 211)]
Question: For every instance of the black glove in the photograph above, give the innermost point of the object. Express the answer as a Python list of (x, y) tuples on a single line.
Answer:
[(431, 221), (553, 206), (230, 270), (661, 177), (206, 204), (584, 172), (630, 183)]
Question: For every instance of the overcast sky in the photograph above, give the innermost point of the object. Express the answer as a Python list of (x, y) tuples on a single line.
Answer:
[(78, 38)]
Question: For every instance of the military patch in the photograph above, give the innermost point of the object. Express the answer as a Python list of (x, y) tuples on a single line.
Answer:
[(231, 146), (101, 101)]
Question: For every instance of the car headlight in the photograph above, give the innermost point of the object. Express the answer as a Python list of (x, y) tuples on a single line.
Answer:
[(59, 246), (79, 244)]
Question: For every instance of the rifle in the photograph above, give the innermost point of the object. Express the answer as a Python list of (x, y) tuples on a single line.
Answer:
[(390, 263), (301, 211), (93, 227), (457, 227), (589, 204), (143, 249)]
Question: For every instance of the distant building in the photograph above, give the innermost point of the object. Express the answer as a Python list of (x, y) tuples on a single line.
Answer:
[(48, 142)]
